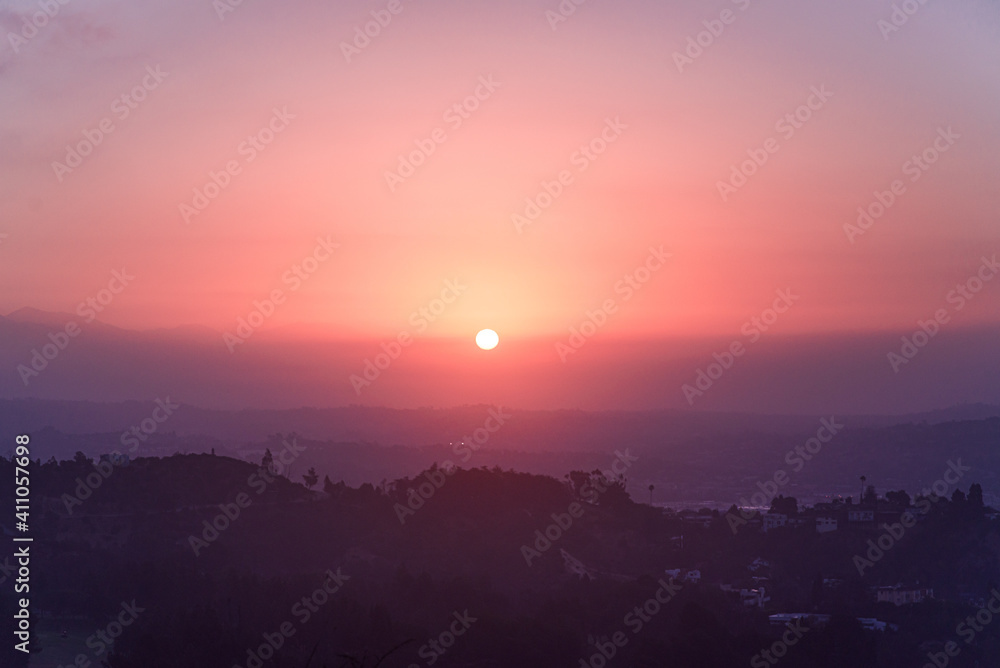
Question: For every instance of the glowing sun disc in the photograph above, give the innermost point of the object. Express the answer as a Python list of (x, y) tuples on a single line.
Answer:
[(487, 339)]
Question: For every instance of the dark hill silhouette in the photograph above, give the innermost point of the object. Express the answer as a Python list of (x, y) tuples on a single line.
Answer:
[(462, 552)]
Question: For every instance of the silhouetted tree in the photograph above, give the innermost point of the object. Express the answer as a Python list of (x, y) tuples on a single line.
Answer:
[(611, 490), (900, 498), (310, 477), (976, 496), (786, 505), (576, 480)]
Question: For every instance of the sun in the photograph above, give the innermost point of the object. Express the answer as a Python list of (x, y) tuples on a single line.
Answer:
[(487, 339)]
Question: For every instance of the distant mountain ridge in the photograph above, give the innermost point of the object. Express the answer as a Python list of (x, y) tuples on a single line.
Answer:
[(802, 375), (535, 430)]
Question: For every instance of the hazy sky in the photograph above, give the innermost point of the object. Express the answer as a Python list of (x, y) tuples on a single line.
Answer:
[(669, 138)]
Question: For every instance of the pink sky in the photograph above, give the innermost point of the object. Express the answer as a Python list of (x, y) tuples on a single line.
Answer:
[(655, 185)]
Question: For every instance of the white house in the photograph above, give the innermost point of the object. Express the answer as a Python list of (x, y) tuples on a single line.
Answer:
[(755, 598), (694, 576), (826, 524), (900, 595), (872, 624), (860, 515), (774, 520), (810, 619)]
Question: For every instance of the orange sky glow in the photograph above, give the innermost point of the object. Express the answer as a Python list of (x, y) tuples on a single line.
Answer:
[(224, 152)]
